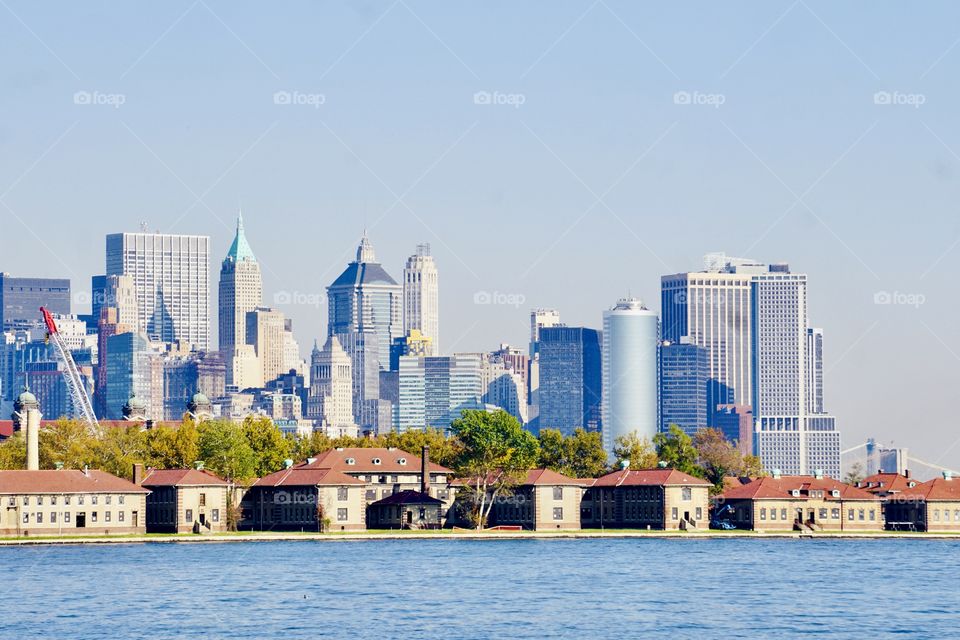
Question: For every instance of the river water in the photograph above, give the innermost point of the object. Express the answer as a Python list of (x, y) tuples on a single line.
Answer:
[(627, 588)]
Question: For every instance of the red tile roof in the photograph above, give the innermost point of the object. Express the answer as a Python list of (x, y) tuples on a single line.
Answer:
[(6, 429), (182, 478), (550, 477), (649, 477), (936, 489), (64, 481), (887, 483), (307, 477), (780, 488), (364, 461)]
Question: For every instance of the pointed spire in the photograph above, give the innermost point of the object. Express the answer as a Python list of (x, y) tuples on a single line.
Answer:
[(240, 249), (365, 251)]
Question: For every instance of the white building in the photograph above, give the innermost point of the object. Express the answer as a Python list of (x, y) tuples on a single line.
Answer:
[(171, 274), (330, 401), (631, 337), (265, 331), (421, 297)]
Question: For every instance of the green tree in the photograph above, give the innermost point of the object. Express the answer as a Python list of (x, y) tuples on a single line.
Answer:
[(676, 449), (752, 467), (636, 451), (579, 455), (717, 457), (855, 473), (495, 454), (13, 452), (270, 448), (68, 442), (224, 449), (118, 449)]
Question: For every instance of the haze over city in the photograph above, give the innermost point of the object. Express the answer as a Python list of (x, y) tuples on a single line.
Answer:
[(558, 158)]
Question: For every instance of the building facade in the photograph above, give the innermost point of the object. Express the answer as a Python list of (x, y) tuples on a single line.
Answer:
[(241, 291), (171, 275), (21, 299), (365, 298), (435, 390), (570, 379), (684, 378), (631, 336), (421, 297), (184, 500), (663, 499)]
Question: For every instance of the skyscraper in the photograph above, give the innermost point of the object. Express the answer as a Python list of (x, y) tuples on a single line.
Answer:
[(366, 298), (134, 368), (814, 370), (265, 331), (421, 297), (684, 373), (171, 274), (539, 319), (241, 291), (330, 402), (21, 299), (631, 336), (434, 390), (570, 378)]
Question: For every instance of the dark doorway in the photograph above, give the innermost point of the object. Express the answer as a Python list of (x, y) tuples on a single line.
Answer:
[(81, 520)]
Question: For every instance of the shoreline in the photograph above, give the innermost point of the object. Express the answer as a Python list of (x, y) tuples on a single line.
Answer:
[(473, 536)]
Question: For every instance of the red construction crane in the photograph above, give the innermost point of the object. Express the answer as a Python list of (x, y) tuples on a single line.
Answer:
[(82, 407)]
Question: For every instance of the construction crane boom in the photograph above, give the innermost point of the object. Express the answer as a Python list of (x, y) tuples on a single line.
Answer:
[(82, 407)]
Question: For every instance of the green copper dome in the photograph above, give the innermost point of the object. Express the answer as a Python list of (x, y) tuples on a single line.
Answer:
[(240, 249)]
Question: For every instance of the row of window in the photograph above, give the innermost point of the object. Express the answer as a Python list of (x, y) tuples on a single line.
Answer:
[(214, 515), (946, 515), (38, 517), (39, 500), (852, 514)]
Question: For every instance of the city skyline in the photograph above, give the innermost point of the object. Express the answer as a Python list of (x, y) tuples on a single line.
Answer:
[(799, 154)]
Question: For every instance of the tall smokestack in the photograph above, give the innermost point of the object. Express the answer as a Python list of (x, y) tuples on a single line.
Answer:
[(137, 473), (425, 471), (26, 411)]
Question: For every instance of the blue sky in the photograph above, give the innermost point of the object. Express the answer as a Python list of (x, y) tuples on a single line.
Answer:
[(598, 183)]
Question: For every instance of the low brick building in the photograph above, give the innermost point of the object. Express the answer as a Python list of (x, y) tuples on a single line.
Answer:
[(928, 506), (303, 498), (647, 499), (69, 501), (184, 500), (545, 500), (408, 509), (811, 503)]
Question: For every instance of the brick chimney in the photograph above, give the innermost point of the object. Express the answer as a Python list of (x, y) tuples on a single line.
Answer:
[(137, 474), (425, 471)]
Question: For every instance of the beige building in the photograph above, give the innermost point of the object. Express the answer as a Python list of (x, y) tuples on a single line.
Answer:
[(304, 498), (929, 506), (184, 500), (647, 499), (804, 503), (546, 500), (69, 501), (265, 330)]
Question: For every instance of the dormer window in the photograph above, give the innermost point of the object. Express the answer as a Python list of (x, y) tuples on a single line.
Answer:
[(351, 461), (376, 461), (796, 493), (835, 493), (402, 462)]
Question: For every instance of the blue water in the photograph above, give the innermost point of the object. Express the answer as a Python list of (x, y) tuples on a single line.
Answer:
[(480, 589)]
